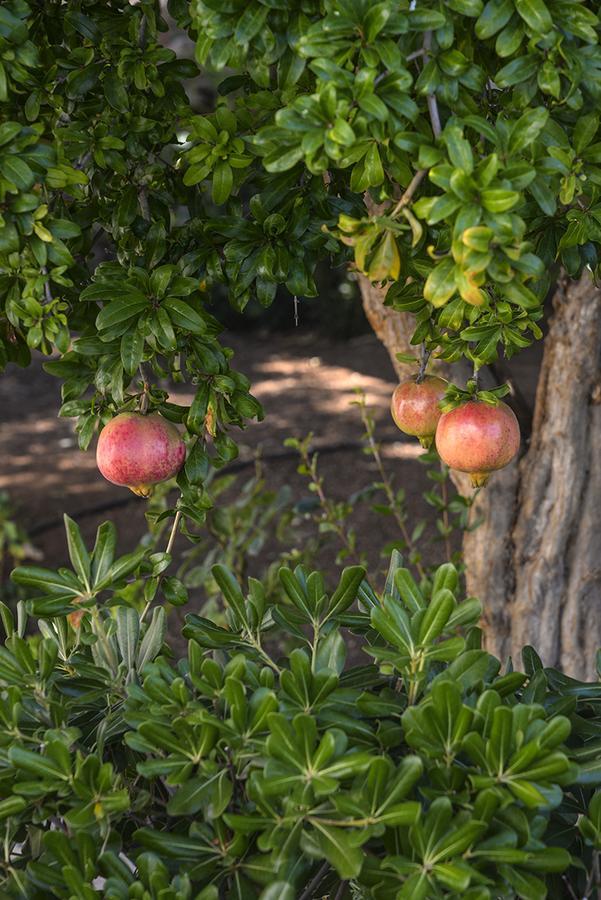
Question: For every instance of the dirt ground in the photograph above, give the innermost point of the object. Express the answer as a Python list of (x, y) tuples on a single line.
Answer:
[(306, 383)]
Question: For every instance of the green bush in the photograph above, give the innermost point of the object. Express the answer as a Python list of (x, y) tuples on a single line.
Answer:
[(267, 764)]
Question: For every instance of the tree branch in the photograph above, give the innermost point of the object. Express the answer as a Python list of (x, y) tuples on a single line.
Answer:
[(307, 894), (436, 130), (431, 98), (47, 289)]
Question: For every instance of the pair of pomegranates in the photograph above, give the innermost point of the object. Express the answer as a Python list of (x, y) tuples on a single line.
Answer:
[(474, 437)]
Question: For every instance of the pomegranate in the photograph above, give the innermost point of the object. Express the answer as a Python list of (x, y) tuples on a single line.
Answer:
[(138, 451), (414, 407), (478, 438)]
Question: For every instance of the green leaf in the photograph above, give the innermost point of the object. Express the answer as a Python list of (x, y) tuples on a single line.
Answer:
[(78, 554), (44, 579), (223, 181), (346, 592), (536, 15), (35, 764), (103, 553), (132, 349), (175, 591), (115, 92), (230, 589), (279, 890), (498, 200), (12, 806), (374, 173), (9, 130), (459, 149), (119, 312), (495, 16), (209, 792), (518, 70), (152, 641), (585, 131), (527, 129), (128, 633), (17, 171), (342, 133), (82, 80), (183, 315), (338, 848), (436, 616), (283, 158), (250, 22)]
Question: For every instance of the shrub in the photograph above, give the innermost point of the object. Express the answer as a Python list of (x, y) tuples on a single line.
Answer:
[(267, 764)]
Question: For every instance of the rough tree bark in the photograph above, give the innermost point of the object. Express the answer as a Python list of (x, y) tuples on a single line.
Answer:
[(535, 561)]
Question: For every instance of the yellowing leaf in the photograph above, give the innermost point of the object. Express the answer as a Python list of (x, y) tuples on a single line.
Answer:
[(386, 262), (468, 284), (440, 284)]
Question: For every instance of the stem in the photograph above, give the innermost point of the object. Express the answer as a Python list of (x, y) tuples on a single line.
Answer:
[(431, 98), (47, 290), (326, 505), (168, 548), (409, 192), (176, 521), (340, 892), (436, 130), (425, 356), (143, 403), (445, 513), (143, 201), (315, 881), (142, 32), (386, 483)]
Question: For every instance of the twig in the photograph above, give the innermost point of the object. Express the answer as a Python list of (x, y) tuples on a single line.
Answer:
[(425, 356), (143, 405), (315, 881), (142, 32), (168, 548), (431, 98), (176, 522), (409, 191), (436, 130), (386, 484), (143, 201), (47, 290), (445, 514), (327, 507), (85, 159), (416, 54), (142, 193), (340, 892)]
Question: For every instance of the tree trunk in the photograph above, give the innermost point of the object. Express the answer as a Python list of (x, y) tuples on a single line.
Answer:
[(535, 560)]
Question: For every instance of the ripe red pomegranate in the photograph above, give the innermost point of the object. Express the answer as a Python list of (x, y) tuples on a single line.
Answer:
[(478, 438), (138, 451), (414, 407)]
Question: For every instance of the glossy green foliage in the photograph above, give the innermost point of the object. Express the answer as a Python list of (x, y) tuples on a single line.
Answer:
[(479, 116), (269, 758), (451, 148)]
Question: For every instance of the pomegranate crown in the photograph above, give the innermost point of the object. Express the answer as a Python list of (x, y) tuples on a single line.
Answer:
[(455, 396)]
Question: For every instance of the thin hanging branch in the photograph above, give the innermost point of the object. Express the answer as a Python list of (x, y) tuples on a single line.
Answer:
[(431, 98), (436, 130)]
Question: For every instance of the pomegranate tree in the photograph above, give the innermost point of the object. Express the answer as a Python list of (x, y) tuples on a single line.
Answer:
[(139, 451), (415, 407), (478, 437)]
